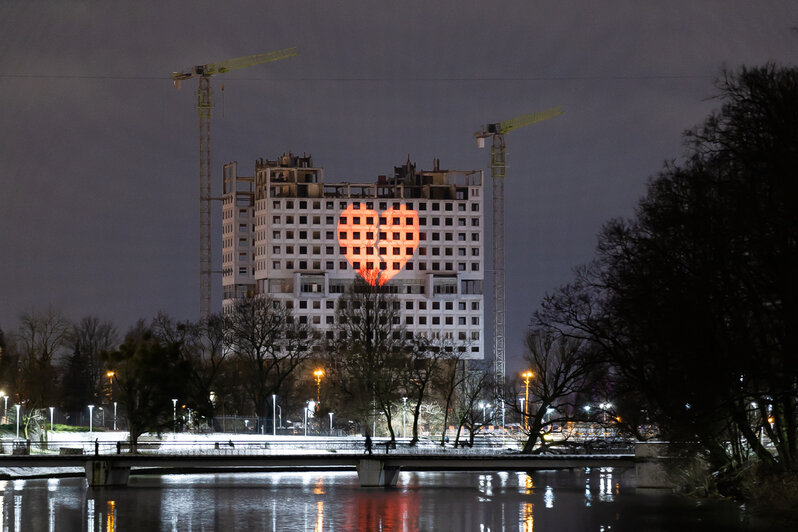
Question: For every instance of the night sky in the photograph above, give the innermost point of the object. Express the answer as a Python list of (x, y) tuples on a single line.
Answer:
[(99, 153)]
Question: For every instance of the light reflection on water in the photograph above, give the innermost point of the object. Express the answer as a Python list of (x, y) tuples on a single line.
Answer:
[(590, 499)]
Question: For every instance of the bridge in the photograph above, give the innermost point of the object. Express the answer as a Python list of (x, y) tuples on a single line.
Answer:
[(373, 470)]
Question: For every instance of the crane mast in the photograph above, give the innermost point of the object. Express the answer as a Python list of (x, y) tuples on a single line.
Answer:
[(498, 168), (204, 108)]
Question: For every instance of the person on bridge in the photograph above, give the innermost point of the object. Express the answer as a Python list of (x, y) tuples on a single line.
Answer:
[(368, 444)]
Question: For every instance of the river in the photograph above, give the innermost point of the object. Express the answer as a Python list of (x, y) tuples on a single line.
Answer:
[(599, 500)]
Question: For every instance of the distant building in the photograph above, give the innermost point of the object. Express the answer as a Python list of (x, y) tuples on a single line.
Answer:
[(288, 234)]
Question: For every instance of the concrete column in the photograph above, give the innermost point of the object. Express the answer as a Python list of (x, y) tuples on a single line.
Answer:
[(103, 473), (374, 473), (650, 472)]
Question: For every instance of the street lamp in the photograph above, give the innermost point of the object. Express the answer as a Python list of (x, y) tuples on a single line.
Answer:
[(91, 418), (528, 374), (404, 408), (17, 407), (4, 396), (114, 415), (331, 415), (51, 417), (274, 414), (523, 412), (174, 416), (319, 373), (305, 419)]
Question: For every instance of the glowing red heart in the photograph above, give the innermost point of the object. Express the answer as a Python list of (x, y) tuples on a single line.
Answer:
[(378, 246)]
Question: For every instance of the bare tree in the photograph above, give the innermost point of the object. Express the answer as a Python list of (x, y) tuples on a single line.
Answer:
[(266, 338), (562, 368)]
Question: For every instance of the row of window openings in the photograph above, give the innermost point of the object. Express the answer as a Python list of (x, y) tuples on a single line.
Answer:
[(356, 220), (409, 335), (329, 250), (343, 235), (409, 320), (242, 213), (371, 265), (409, 305), (422, 206)]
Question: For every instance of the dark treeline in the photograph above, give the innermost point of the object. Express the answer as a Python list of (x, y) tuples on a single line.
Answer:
[(375, 373), (690, 309)]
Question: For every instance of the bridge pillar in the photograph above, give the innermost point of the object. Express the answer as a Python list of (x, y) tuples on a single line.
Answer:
[(103, 473), (650, 471), (375, 473)]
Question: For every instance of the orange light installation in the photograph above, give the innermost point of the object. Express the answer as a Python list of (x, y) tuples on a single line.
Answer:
[(378, 245)]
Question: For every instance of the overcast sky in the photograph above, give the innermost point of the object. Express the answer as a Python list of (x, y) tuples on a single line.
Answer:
[(99, 153)]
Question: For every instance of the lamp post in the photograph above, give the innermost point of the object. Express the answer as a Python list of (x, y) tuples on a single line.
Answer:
[(17, 406), (528, 374), (274, 414), (91, 418), (4, 396), (280, 415), (331, 415), (319, 373), (174, 416), (52, 408), (404, 408), (305, 419), (114, 415), (523, 412)]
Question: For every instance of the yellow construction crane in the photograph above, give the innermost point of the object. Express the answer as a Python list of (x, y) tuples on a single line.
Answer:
[(204, 106), (498, 153)]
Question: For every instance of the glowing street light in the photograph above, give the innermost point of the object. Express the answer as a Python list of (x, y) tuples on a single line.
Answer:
[(174, 416), (91, 418), (331, 415), (52, 408), (319, 374), (17, 406), (528, 374), (114, 415)]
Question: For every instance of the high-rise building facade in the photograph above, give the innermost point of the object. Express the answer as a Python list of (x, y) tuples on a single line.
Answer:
[(292, 236)]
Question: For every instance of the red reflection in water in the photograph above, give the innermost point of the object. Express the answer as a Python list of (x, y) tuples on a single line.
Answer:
[(384, 510)]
